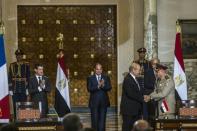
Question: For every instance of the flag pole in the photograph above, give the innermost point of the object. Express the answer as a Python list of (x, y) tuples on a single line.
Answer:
[(178, 27)]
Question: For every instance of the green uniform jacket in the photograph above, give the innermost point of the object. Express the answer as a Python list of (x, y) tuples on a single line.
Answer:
[(165, 89)]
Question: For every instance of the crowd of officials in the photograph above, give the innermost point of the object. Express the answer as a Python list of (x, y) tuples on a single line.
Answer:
[(145, 88)]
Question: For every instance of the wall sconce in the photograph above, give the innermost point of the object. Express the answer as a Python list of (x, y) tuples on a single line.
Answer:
[(40, 22), (41, 56), (109, 72), (23, 39), (23, 22), (109, 55), (57, 22), (92, 56), (75, 73), (75, 56), (75, 90), (75, 38), (92, 22), (92, 38), (74, 21), (41, 39)]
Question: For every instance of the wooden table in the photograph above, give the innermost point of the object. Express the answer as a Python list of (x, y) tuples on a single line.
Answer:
[(39, 126), (180, 124)]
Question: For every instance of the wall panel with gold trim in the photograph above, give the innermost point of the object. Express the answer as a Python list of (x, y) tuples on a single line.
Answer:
[(89, 37)]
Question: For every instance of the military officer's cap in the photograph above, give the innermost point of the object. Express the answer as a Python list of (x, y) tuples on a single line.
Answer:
[(141, 50), (18, 52), (160, 66)]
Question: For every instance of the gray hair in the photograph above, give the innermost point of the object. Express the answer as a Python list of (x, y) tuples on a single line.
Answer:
[(71, 122)]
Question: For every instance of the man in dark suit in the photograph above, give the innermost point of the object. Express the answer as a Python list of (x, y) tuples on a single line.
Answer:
[(145, 65), (39, 86), (98, 85), (149, 86), (132, 98)]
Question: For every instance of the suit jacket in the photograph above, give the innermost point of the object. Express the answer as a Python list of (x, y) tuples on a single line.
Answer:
[(37, 96), (132, 97), (98, 97), (149, 81), (165, 90)]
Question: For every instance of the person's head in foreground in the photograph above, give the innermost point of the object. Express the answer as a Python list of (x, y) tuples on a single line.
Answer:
[(88, 129), (71, 122), (141, 125), (9, 127)]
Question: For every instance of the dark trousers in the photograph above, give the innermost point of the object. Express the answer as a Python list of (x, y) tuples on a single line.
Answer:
[(151, 106), (128, 122), (145, 111), (98, 118), (18, 97)]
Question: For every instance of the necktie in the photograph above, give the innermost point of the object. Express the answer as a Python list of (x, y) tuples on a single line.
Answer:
[(39, 80), (137, 84), (99, 78)]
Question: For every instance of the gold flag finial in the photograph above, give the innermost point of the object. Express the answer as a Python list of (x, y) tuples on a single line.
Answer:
[(2, 28), (60, 39), (178, 27)]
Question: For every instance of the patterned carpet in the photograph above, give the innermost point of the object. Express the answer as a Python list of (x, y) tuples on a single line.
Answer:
[(112, 122)]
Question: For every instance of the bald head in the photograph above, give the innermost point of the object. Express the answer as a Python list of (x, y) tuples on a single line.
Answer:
[(141, 125), (134, 69)]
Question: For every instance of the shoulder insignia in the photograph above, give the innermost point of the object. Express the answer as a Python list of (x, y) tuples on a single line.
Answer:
[(167, 77)]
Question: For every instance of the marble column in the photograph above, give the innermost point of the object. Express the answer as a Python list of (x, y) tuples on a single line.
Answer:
[(150, 28)]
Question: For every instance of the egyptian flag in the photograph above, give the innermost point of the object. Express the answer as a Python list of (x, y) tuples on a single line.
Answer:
[(164, 106), (179, 70), (62, 99), (4, 97)]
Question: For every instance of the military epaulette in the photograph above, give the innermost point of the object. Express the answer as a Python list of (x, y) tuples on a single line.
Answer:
[(167, 77)]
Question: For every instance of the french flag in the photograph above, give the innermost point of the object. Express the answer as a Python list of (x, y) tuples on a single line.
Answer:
[(62, 99), (179, 70), (4, 96), (164, 106)]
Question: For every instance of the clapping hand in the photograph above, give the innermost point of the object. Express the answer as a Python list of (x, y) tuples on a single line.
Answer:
[(101, 83), (42, 84), (146, 98)]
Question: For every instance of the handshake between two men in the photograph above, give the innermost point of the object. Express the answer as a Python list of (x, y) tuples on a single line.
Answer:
[(147, 98)]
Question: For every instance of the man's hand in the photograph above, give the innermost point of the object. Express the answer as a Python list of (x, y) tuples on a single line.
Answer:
[(101, 83), (146, 98)]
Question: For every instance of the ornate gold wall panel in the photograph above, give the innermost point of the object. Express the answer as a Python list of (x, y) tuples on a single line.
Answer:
[(89, 37)]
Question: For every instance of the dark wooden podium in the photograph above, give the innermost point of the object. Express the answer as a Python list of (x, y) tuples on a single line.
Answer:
[(39, 126), (180, 124)]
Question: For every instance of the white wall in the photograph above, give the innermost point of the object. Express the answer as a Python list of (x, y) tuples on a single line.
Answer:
[(168, 12)]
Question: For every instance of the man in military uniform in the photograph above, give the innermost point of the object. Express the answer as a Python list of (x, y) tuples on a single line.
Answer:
[(19, 73), (164, 93), (150, 79), (142, 61)]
